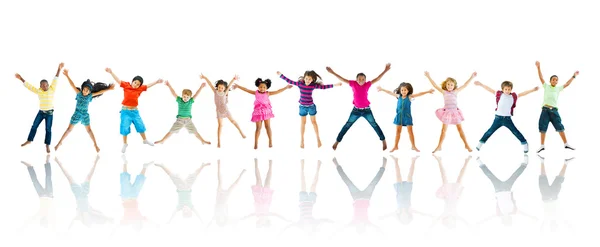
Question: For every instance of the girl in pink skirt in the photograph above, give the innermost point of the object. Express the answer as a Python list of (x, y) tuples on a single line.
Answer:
[(450, 114), (262, 107)]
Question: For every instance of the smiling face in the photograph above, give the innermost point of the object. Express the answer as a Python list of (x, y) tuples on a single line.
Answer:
[(136, 84), (220, 88), (262, 87), (308, 80), (553, 80), (186, 97), (507, 90), (85, 91), (44, 85), (403, 91), (450, 86), (361, 79)]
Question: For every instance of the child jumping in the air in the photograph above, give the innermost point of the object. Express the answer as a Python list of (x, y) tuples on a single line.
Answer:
[(85, 94), (550, 108), (221, 91), (221, 215), (184, 114), (362, 108), (307, 84), (129, 111), (262, 107), (46, 214), (46, 96), (450, 114), (506, 101), (404, 94)]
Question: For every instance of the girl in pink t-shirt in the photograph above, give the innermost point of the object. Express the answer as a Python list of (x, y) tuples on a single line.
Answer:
[(362, 108), (262, 107), (450, 114)]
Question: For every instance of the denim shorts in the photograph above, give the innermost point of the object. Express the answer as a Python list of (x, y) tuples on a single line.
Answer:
[(550, 115), (308, 110)]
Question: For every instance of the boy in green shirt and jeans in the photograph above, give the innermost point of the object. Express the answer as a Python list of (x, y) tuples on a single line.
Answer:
[(550, 108), (184, 115)]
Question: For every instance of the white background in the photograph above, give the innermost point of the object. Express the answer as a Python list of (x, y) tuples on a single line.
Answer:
[(179, 40)]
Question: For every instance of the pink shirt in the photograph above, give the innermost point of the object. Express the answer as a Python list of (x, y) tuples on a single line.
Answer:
[(361, 94), (361, 207)]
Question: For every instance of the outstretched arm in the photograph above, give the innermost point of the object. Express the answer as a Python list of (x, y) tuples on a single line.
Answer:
[(433, 83), (387, 68), (171, 88), (336, 75), (280, 90), (154, 83), (489, 89), (537, 64), (199, 90), (55, 80), (528, 91), (571, 80), (288, 80), (27, 84), (380, 89), (209, 83), (422, 93), (467, 82), (244, 89), (66, 73), (60, 66), (109, 70), (235, 78), (111, 87)]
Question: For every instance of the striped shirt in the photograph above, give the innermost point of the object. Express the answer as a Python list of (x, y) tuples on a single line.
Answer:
[(306, 90), (450, 101), (46, 97)]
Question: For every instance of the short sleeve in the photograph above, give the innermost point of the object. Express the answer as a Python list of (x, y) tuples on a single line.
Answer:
[(191, 100), (561, 87), (143, 88), (124, 84), (179, 99)]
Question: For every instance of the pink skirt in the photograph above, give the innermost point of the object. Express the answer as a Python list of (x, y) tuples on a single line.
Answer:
[(261, 114), (449, 116)]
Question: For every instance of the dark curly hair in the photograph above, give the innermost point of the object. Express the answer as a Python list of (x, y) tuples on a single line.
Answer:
[(259, 81)]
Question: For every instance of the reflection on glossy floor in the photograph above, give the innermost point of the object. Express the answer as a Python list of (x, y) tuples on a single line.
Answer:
[(364, 199)]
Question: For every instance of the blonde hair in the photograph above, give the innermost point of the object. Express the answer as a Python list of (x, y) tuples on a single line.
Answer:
[(445, 83), (187, 92)]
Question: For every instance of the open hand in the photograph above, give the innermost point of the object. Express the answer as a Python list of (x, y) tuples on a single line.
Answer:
[(167, 83), (66, 72), (431, 91), (111, 87), (329, 69), (61, 65), (109, 70), (576, 73), (289, 86), (388, 66), (537, 64), (474, 74), (379, 88), (536, 88), (202, 76), (278, 73), (236, 77), (427, 73), (18, 76)]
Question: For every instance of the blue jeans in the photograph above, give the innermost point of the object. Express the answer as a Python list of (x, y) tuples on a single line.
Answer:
[(550, 116), (46, 116), (507, 122), (355, 115)]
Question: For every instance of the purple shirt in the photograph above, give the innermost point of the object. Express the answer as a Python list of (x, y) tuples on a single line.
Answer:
[(306, 90)]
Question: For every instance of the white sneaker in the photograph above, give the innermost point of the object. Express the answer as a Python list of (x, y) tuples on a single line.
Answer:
[(124, 148), (149, 143), (479, 146), (567, 146), (542, 148)]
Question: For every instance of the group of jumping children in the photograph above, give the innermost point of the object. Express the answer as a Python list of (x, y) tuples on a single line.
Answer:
[(450, 114)]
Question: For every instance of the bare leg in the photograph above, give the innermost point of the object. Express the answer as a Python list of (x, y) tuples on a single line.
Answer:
[(397, 140), (257, 174), (69, 129), (219, 127), (302, 177), (313, 187), (143, 136), (268, 179), (268, 128), (163, 139), (462, 171), (201, 139), (302, 129), (236, 125), (563, 136), (442, 136), (412, 138), (542, 138), (463, 137), (257, 133), (91, 133), (125, 140), (313, 120)]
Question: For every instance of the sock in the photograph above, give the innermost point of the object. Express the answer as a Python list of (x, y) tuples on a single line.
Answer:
[(479, 145), (149, 143)]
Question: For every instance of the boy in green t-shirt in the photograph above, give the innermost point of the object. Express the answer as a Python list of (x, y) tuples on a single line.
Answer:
[(184, 115), (550, 107)]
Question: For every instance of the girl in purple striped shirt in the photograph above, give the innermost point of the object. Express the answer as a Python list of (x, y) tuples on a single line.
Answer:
[(307, 84), (450, 114)]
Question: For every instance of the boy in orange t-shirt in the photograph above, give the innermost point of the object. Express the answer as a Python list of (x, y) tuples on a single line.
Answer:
[(129, 112)]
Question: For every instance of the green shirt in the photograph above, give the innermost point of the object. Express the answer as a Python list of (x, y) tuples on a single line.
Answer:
[(184, 108), (551, 94)]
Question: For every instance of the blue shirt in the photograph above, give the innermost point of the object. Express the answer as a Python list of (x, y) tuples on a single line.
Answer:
[(83, 102)]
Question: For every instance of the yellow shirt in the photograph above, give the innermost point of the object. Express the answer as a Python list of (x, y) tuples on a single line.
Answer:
[(46, 97)]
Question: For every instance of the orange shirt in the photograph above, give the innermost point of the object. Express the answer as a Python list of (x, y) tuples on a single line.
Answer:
[(131, 94)]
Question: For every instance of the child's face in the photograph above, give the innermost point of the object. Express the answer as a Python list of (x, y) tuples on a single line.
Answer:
[(262, 87), (403, 91), (308, 80), (553, 81), (507, 90), (136, 84), (221, 88), (361, 79), (186, 97), (450, 86), (44, 86), (85, 91)]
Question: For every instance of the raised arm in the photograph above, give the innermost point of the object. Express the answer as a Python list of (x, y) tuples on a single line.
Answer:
[(467, 82), (537, 64), (55, 80), (433, 82), (414, 95), (60, 66), (489, 89), (288, 80), (199, 90), (111, 87), (171, 88), (244, 89), (336, 75), (380, 89), (280, 90), (528, 91), (154, 83), (212, 87), (235, 78), (109, 70), (387, 68), (27, 85), (571, 80), (66, 73)]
